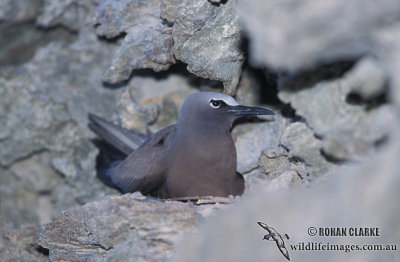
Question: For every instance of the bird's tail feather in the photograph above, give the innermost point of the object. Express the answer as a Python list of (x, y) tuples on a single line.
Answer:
[(122, 139), (108, 158)]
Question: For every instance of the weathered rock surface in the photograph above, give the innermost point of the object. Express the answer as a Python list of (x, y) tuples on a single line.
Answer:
[(260, 136), (20, 244), (36, 117), (19, 10), (148, 104), (389, 55), (72, 14), (147, 43), (128, 227), (190, 32), (294, 159), (343, 124), (207, 38), (300, 141), (47, 158), (294, 35)]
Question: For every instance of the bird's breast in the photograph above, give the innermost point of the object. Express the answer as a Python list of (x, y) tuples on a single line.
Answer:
[(201, 167)]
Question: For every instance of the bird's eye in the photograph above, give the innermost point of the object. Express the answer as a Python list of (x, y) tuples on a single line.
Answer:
[(215, 103)]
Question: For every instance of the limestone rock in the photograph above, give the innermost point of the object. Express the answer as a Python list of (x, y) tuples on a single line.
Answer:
[(276, 161), (367, 79), (344, 125), (148, 40), (102, 230), (301, 143), (43, 107), (207, 38), (19, 10), (20, 244), (301, 34), (262, 135), (148, 105), (72, 14)]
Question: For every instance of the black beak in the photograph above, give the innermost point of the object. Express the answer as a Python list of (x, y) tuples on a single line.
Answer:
[(249, 110)]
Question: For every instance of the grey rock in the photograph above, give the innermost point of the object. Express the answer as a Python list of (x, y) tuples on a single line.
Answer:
[(207, 38), (102, 230), (300, 34), (133, 249), (19, 41), (276, 161), (18, 11), (34, 178), (286, 180), (18, 201), (254, 180), (17, 125), (301, 143), (20, 244), (72, 14), (389, 54), (56, 118), (248, 89), (278, 154), (260, 136), (135, 116), (114, 18), (147, 43), (257, 180), (347, 143), (43, 107), (148, 105), (367, 79), (144, 46), (345, 127)]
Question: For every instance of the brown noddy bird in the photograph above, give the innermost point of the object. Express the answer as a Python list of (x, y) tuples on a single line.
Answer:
[(193, 158)]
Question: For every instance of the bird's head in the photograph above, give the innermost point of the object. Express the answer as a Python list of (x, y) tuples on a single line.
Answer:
[(214, 110)]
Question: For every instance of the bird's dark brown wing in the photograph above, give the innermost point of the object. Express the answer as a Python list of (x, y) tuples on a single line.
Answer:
[(141, 170)]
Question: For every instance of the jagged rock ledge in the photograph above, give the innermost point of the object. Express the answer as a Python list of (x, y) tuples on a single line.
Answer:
[(130, 227)]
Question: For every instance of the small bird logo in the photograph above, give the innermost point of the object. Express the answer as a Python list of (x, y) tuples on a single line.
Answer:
[(275, 236)]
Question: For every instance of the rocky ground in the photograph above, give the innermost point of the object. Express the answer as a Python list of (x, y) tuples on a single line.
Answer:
[(329, 157)]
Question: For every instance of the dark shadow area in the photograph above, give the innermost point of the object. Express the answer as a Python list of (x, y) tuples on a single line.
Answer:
[(288, 111), (166, 22), (333, 159), (218, 3), (43, 251), (266, 80), (296, 159), (266, 85), (19, 41), (381, 142), (179, 68), (368, 103), (114, 39), (302, 80), (116, 85)]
